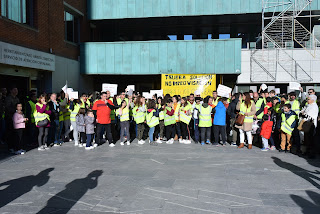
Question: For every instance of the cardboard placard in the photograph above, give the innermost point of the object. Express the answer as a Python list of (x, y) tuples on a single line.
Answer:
[(113, 88), (224, 91), (294, 86), (264, 86), (159, 93), (147, 95), (74, 95)]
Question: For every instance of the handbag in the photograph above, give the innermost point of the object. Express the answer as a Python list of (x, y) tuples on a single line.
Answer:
[(43, 123), (240, 119), (307, 126)]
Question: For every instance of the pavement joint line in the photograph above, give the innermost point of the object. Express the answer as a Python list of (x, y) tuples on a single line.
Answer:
[(302, 189), (156, 161), (208, 202), (25, 203), (224, 200), (68, 199), (140, 210), (172, 193), (230, 195), (194, 208), (112, 208)]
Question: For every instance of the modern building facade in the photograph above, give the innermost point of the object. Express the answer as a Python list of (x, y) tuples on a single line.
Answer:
[(134, 37), (43, 44)]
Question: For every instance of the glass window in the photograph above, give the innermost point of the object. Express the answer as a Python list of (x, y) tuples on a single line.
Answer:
[(71, 27), (16, 10)]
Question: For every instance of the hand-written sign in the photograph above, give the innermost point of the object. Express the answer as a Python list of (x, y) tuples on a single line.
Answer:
[(185, 84)]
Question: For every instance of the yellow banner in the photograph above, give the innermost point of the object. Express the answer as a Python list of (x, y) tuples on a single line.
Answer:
[(186, 84)]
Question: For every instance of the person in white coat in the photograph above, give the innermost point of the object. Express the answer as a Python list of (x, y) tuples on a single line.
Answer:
[(310, 113)]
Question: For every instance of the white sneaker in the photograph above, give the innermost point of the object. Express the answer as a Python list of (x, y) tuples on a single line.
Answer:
[(57, 144), (92, 147), (159, 141), (76, 144), (141, 142), (187, 141), (128, 143), (41, 148), (89, 148), (95, 145), (170, 141), (122, 143), (80, 145), (112, 145), (70, 140), (181, 141), (21, 152)]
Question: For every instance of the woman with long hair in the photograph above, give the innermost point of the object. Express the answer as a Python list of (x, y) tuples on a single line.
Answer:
[(247, 108), (42, 120)]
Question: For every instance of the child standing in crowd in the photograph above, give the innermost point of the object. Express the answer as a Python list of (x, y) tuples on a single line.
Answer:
[(176, 108), (89, 123), (139, 117), (196, 119), (123, 112), (19, 124), (169, 122), (288, 122), (219, 122), (161, 107), (81, 126), (272, 117), (266, 130), (42, 120), (152, 120), (205, 123), (74, 110), (185, 118)]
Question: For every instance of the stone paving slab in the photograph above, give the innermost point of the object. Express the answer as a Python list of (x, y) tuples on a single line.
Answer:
[(159, 179)]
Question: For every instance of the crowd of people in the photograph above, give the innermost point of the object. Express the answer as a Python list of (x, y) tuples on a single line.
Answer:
[(283, 122)]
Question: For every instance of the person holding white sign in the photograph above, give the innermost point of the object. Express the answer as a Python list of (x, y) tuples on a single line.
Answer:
[(102, 109)]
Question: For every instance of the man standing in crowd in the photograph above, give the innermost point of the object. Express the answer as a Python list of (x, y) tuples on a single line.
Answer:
[(10, 108), (102, 109)]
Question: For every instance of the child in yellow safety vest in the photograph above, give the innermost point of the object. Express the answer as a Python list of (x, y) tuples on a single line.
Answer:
[(123, 113), (169, 122), (288, 122), (185, 118), (152, 121), (139, 114)]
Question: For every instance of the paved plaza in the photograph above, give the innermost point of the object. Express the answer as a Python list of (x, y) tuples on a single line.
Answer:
[(158, 179)]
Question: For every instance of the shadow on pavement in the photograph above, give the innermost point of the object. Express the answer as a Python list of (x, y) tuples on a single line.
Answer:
[(63, 201), (311, 206), (20, 186)]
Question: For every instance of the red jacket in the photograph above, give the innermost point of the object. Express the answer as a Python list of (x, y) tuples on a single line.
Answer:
[(266, 129)]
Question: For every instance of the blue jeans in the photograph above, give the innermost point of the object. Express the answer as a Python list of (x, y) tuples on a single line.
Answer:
[(89, 138), (196, 130), (178, 128), (60, 130), (151, 131)]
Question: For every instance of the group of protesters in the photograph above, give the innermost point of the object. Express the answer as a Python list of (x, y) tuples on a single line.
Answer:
[(283, 122)]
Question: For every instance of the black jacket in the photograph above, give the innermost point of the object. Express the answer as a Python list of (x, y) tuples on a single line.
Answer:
[(54, 111), (231, 111)]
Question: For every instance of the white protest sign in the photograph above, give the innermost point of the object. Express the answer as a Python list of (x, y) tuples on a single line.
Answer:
[(224, 91), (131, 87), (147, 95), (264, 86), (159, 93), (277, 90), (74, 95), (294, 86), (113, 88), (130, 92), (64, 88), (69, 90)]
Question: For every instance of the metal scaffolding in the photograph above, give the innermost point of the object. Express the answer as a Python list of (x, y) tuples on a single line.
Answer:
[(281, 32)]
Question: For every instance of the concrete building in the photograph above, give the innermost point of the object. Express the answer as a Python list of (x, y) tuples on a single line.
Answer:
[(135, 38), (129, 42)]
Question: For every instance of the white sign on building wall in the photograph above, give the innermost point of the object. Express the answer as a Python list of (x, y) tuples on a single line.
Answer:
[(25, 57)]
